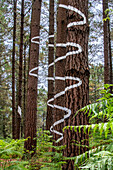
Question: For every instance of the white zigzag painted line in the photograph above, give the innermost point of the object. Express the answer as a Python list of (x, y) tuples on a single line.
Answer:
[(65, 78), (68, 7)]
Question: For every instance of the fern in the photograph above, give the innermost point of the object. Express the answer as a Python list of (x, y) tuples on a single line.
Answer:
[(99, 156), (17, 165), (11, 149)]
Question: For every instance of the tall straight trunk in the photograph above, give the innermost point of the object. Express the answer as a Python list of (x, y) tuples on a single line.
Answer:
[(24, 92), (4, 127), (110, 58), (19, 112), (77, 79), (31, 109), (49, 119), (13, 74), (106, 45), (24, 84), (60, 71), (95, 84)]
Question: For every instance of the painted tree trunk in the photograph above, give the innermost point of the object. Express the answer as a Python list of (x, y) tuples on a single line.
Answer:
[(77, 91), (60, 70), (49, 118), (13, 74), (31, 109), (18, 120)]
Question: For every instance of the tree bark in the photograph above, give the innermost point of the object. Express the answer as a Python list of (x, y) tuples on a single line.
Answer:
[(4, 127), (24, 84), (60, 70), (18, 121), (49, 118), (76, 67), (110, 58), (106, 45), (31, 109), (13, 75)]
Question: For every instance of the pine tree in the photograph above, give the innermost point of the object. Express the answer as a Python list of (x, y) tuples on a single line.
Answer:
[(13, 74), (19, 112), (31, 109), (60, 71), (106, 45), (49, 118), (24, 90), (77, 79), (110, 57)]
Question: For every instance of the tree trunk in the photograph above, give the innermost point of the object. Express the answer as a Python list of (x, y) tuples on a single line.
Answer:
[(77, 79), (60, 74), (19, 112), (4, 127), (31, 109), (13, 75), (110, 58), (24, 95), (106, 45), (49, 118)]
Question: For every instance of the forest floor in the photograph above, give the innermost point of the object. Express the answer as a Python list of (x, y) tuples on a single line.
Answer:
[(8, 162)]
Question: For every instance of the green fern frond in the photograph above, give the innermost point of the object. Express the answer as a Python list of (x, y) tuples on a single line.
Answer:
[(101, 127)]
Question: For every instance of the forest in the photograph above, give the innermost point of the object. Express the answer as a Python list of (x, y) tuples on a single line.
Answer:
[(56, 84)]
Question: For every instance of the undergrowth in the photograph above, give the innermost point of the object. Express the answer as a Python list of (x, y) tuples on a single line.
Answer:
[(11, 152), (100, 130), (49, 157)]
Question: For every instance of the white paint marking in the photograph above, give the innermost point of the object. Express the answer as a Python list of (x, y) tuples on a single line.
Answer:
[(68, 7), (51, 36), (32, 74), (67, 77), (19, 111), (50, 45), (34, 41)]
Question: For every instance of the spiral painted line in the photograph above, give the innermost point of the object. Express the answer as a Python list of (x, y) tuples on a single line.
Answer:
[(33, 40), (68, 7)]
